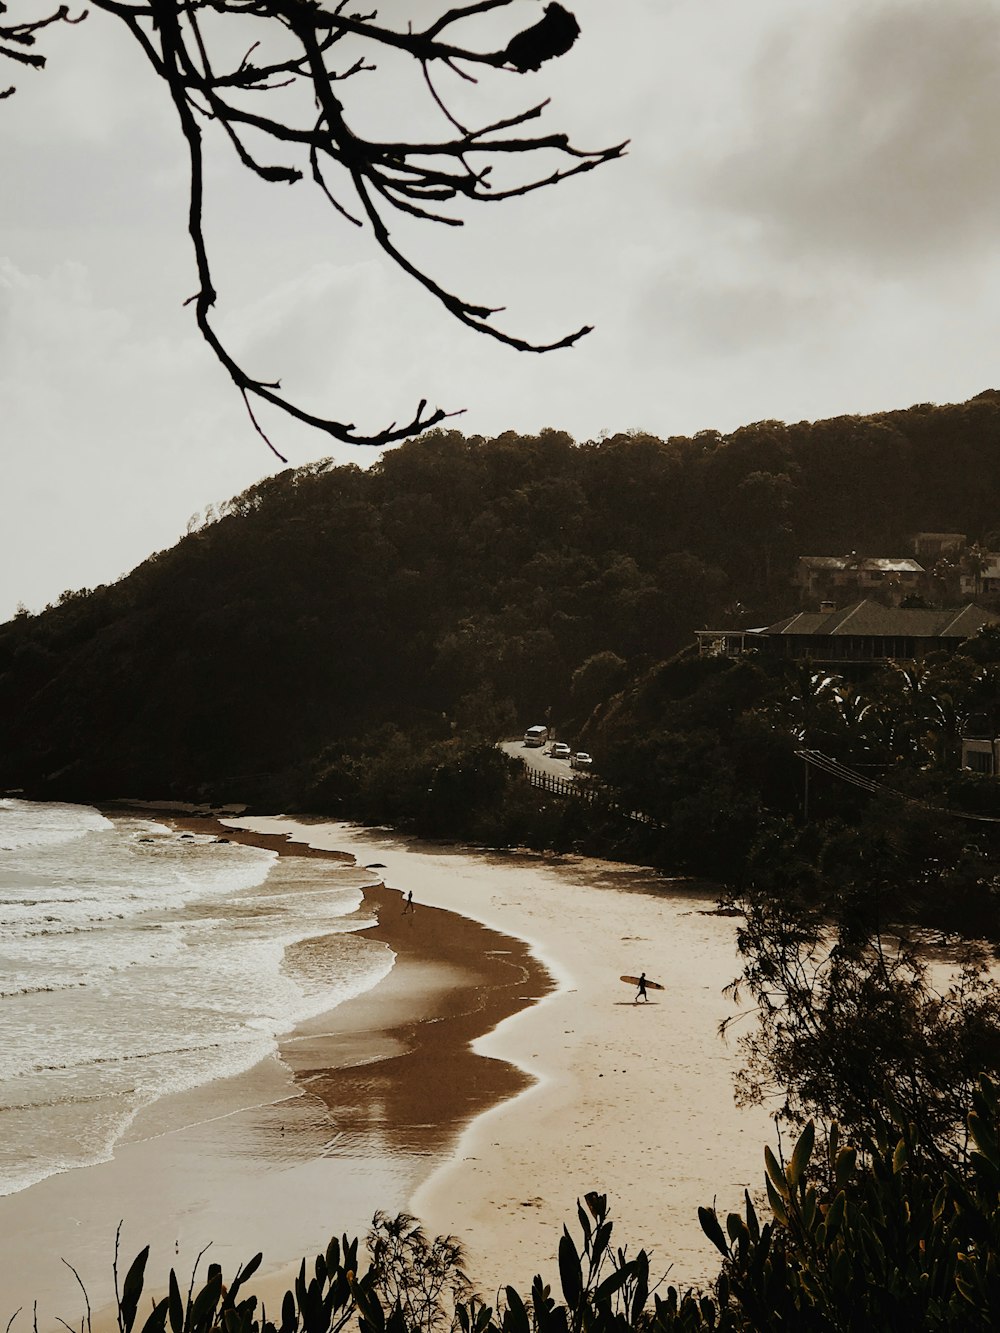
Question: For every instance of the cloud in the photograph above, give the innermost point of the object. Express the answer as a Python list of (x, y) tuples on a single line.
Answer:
[(728, 311), (304, 325), (869, 134), (112, 436)]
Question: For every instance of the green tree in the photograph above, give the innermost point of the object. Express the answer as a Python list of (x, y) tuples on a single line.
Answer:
[(760, 509), (596, 680), (853, 1028)]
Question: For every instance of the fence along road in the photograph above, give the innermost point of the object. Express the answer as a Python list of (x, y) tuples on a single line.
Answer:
[(557, 778)]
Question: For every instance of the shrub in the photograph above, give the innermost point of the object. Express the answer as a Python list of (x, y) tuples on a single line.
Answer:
[(875, 1237)]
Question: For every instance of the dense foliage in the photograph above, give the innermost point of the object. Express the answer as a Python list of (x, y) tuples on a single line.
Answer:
[(862, 1236), (894, 831), (461, 588)]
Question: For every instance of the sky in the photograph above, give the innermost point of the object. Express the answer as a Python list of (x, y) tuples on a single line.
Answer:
[(805, 226)]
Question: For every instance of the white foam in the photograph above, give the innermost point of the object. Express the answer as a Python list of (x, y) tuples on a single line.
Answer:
[(138, 963), (26, 824)]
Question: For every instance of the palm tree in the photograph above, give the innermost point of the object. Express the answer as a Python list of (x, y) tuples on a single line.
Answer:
[(974, 561)]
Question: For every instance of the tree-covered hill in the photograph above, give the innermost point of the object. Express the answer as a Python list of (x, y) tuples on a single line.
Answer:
[(461, 583)]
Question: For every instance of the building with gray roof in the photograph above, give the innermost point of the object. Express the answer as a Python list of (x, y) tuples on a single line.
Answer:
[(864, 633)]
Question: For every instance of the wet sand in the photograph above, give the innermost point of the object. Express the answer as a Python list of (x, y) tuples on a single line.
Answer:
[(635, 1101), (395, 1067), (498, 1072), (356, 1108)]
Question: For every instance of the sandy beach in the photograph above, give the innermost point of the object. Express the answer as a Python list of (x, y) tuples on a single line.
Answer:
[(348, 1116), (498, 1072), (632, 1100)]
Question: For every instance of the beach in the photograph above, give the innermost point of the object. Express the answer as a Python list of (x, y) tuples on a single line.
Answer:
[(632, 1100), (495, 1074)]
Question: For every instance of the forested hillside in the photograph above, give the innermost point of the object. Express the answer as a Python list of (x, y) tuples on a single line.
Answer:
[(460, 585)]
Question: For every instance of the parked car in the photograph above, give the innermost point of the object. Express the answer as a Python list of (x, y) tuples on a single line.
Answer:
[(560, 750), (581, 760)]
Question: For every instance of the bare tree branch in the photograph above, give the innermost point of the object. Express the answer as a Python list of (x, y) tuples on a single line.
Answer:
[(19, 35), (189, 45)]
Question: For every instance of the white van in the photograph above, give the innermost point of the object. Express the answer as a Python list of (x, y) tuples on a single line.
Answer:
[(536, 736)]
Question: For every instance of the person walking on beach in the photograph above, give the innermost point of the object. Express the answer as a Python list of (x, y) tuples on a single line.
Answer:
[(409, 903), (641, 992)]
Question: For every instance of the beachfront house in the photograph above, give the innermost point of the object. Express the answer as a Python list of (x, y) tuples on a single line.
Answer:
[(865, 633), (981, 754), (844, 578)]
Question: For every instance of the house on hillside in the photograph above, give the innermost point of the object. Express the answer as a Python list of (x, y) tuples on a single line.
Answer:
[(981, 754), (869, 632), (981, 743), (843, 578), (932, 546), (980, 575), (863, 634), (728, 642)]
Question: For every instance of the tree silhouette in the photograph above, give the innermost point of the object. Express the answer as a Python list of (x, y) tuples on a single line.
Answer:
[(287, 97)]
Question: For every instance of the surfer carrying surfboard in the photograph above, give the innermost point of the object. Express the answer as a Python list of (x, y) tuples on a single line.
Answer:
[(644, 984)]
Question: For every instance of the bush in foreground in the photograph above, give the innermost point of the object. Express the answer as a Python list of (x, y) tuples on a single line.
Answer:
[(876, 1237)]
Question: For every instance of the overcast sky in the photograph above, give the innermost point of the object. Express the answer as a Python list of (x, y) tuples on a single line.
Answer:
[(807, 224)]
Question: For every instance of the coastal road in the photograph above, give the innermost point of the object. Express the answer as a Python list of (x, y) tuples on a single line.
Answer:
[(538, 759)]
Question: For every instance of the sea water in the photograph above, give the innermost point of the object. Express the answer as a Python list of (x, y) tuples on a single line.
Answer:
[(137, 961)]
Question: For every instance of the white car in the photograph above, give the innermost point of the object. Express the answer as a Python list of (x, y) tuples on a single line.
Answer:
[(560, 750), (581, 760)]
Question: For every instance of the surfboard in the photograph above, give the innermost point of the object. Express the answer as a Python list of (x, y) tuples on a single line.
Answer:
[(650, 985)]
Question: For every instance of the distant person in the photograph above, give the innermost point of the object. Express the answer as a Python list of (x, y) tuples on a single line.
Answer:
[(409, 903), (641, 992)]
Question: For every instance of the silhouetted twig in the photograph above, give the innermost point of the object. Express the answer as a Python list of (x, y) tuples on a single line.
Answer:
[(302, 46)]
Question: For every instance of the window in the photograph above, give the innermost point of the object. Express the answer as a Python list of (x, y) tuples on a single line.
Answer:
[(979, 761)]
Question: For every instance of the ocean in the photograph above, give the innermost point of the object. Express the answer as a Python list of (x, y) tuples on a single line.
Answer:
[(137, 962)]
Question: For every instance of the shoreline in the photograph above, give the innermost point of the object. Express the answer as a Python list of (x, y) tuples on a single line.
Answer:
[(454, 981), (348, 1115), (486, 1103), (634, 1101), (431, 1014)]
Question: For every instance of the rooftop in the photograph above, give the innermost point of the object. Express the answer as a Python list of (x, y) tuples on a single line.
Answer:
[(871, 618), (900, 565)]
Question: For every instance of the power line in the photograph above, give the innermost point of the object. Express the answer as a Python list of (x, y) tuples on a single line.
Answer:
[(838, 770)]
